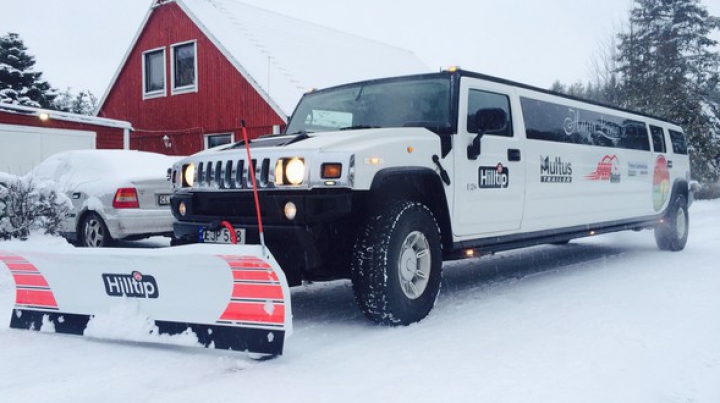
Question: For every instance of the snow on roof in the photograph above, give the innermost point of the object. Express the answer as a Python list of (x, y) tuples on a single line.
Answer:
[(284, 57), (66, 116)]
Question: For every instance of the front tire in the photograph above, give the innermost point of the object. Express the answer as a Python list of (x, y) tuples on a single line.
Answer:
[(397, 263), (672, 233), (94, 233)]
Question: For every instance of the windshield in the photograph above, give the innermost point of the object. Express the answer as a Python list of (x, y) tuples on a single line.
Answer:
[(415, 102)]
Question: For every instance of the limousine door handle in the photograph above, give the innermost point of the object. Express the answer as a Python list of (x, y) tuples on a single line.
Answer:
[(670, 164), (513, 154)]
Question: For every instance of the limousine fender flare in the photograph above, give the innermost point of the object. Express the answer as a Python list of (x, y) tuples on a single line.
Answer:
[(680, 187), (417, 184)]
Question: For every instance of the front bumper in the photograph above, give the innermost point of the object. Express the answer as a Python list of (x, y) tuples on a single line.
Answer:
[(315, 245), (239, 207)]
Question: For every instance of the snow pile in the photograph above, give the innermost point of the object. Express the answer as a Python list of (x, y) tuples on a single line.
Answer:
[(125, 321)]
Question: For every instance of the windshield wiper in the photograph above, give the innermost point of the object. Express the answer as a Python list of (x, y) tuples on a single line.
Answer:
[(358, 127), (299, 136)]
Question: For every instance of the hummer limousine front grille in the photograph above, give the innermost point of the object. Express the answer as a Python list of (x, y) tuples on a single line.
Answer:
[(233, 174)]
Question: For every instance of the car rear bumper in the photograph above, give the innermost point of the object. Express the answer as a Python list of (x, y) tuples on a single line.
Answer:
[(139, 223)]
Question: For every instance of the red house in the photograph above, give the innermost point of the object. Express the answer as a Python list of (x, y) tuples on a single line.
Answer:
[(197, 67)]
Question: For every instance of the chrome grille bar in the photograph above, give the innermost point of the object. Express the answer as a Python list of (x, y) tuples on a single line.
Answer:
[(233, 174)]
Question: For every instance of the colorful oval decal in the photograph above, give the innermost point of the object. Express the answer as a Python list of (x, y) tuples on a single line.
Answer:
[(661, 183)]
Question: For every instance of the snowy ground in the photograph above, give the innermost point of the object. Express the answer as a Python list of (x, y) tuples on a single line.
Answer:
[(608, 319)]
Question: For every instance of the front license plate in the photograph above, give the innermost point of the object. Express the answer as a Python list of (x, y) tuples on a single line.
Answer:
[(163, 200), (222, 236)]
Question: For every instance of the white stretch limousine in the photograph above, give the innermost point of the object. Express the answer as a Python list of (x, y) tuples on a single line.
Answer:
[(380, 181)]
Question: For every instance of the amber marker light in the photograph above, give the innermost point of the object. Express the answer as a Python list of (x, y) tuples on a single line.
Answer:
[(373, 161), (331, 171), (410, 150)]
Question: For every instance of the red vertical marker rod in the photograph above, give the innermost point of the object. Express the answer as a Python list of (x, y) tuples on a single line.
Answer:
[(254, 183)]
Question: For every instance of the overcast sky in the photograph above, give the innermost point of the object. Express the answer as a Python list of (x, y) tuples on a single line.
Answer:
[(80, 43)]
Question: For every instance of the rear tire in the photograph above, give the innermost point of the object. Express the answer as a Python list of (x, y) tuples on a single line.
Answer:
[(672, 233), (397, 263), (94, 233)]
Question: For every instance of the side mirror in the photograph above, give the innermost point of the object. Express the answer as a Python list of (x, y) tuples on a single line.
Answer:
[(486, 120)]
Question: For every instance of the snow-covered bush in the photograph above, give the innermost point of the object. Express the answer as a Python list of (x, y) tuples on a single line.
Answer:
[(708, 191), (27, 205)]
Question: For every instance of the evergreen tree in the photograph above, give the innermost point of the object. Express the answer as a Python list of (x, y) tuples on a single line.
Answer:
[(19, 83), (668, 67), (83, 103)]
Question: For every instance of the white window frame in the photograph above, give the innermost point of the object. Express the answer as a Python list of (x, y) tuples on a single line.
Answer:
[(208, 136), (187, 88), (156, 93)]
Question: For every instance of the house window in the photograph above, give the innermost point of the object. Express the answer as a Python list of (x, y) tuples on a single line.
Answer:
[(184, 67), (214, 140), (154, 73)]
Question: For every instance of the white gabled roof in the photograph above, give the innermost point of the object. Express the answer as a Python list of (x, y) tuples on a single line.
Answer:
[(285, 57)]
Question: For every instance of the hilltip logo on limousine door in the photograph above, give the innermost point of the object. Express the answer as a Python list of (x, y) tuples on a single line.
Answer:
[(497, 177)]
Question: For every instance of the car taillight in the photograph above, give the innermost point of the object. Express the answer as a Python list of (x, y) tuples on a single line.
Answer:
[(126, 198)]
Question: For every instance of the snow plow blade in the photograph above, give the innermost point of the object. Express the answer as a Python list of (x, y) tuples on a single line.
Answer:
[(232, 297)]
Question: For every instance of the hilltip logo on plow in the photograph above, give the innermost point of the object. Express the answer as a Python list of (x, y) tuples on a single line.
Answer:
[(133, 285)]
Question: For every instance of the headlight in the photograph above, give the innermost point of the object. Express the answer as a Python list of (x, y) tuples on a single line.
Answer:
[(188, 175), (290, 171), (295, 171)]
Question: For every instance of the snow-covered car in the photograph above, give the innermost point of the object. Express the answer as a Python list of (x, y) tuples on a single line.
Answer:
[(116, 194)]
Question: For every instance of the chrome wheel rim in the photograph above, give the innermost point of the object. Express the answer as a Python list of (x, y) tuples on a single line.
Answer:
[(414, 265), (94, 233), (681, 223)]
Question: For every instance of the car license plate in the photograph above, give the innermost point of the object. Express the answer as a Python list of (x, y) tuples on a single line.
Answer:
[(164, 200), (222, 236)]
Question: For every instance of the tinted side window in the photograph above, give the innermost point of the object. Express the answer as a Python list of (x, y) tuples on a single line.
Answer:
[(634, 136), (678, 142), (561, 123), (482, 100), (658, 139)]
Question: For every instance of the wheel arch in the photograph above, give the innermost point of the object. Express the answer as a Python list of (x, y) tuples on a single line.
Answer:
[(87, 211), (680, 188), (418, 184)]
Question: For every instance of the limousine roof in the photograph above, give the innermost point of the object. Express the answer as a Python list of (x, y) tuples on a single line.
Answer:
[(559, 94), (466, 73)]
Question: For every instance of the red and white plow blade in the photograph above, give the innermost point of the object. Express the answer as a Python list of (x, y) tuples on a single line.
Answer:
[(232, 297)]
